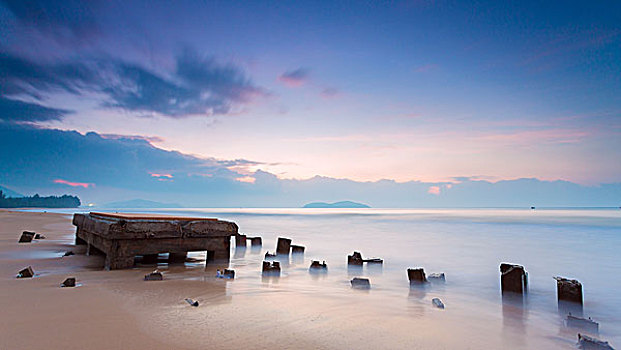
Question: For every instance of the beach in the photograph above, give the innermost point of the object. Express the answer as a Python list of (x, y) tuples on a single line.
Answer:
[(119, 310)]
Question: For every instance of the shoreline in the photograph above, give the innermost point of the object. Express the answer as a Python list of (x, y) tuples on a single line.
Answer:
[(117, 309)]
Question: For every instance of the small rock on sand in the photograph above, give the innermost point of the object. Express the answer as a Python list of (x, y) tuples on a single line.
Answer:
[(26, 237), (154, 276), (26, 273), (437, 303), (69, 282), (192, 302)]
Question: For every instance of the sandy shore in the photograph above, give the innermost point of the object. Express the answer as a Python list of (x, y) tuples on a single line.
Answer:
[(118, 310)]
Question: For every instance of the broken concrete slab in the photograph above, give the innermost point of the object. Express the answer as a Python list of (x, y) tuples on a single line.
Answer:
[(39, 236), (360, 283), (417, 275), (154, 276), (123, 236), (513, 278), (269, 255), (271, 268), (68, 253), (586, 342), (437, 303), (283, 247), (568, 290), (26, 273), (373, 261), (191, 302), (26, 237), (297, 249), (586, 324), (436, 277), (69, 282)]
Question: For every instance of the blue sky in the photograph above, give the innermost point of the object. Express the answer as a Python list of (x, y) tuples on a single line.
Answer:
[(407, 91)]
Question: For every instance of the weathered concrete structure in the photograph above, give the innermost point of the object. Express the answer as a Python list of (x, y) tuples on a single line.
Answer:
[(513, 278), (360, 283), (240, 241), (271, 268), (26, 237), (123, 236)]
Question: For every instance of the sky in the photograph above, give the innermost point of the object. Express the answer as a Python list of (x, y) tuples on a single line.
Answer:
[(404, 91)]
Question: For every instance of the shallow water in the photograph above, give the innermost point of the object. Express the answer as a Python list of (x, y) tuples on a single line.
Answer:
[(466, 244)]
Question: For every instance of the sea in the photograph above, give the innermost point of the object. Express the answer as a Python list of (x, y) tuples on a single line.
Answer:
[(467, 245)]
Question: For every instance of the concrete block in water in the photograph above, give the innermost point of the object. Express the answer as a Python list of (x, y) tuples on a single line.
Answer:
[(154, 276), (39, 236), (269, 255), (513, 278), (355, 259), (437, 303), (417, 275), (283, 246), (360, 283), (297, 249), (255, 241), (373, 261), (316, 265), (26, 237), (271, 268), (436, 277), (69, 282), (586, 324), (568, 290), (69, 253), (26, 273), (586, 342), (240, 240)]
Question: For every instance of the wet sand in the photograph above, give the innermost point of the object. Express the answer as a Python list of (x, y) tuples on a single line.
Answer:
[(118, 310)]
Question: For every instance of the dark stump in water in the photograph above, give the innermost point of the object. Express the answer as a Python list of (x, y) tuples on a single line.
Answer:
[(360, 283), (297, 249), (154, 276), (568, 290), (355, 259), (69, 282), (513, 278), (283, 246), (26, 273), (417, 275), (271, 268)]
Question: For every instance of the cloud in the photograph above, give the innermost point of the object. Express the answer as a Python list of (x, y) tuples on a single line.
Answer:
[(426, 68), (197, 86), (32, 159), (14, 111), (65, 21), (74, 184), (329, 93), (434, 190), (294, 78)]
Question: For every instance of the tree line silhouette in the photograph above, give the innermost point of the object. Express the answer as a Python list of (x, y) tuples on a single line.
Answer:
[(36, 201)]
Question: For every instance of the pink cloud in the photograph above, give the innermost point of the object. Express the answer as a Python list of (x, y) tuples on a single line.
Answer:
[(74, 184), (294, 78), (434, 190), (246, 179), (169, 176), (330, 93)]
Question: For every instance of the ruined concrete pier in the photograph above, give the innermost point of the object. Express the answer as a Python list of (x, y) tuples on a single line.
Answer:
[(123, 236)]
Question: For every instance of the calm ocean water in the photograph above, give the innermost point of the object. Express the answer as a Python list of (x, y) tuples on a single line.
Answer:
[(466, 244)]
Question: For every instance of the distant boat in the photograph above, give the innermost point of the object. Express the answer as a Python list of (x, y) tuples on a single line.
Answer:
[(533, 208)]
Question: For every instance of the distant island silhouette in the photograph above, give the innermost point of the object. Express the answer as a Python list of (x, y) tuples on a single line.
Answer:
[(342, 204), (36, 201)]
